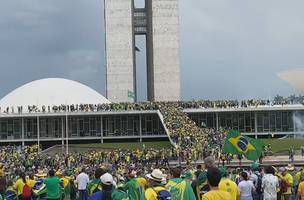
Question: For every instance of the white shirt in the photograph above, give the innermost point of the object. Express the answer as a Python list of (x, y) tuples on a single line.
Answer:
[(254, 179), (270, 183), (82, 181), (246, 188)]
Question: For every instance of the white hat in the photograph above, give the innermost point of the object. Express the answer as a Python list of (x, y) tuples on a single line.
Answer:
[(290, 167), (156, 175), (107, 179)]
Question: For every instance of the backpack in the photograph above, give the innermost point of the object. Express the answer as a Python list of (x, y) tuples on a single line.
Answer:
[(163, 195), (26, 192), (10, 195), (283, 186), (259, 184)]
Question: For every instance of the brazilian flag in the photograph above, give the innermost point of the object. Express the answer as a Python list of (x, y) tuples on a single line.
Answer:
[(235, 143)]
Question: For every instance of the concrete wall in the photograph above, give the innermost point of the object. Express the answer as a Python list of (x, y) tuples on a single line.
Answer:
[(166, 60), (120, 76)]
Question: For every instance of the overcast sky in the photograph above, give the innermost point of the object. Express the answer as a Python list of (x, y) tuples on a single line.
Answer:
[(229, 49)]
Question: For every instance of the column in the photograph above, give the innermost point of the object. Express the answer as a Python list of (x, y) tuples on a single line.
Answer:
[(256, 124), (101, 129), (38, 134), (294, 123), (22, 131), (140, 129), (62, 133), (67, 133), (217, 121)]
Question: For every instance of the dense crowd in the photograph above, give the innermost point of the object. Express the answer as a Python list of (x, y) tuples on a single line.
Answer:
[(143, 174)]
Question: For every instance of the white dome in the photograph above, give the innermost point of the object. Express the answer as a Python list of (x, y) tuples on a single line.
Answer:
[(50, 92)]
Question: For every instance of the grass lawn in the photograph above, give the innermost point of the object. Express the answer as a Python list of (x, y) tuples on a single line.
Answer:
[(131, 146), (279, 145)]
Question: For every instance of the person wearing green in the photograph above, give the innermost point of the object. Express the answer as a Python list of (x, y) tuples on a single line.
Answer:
[(95, 184), (134, 190), (53, 187), (178, 187), (119, 193), (200, 185)]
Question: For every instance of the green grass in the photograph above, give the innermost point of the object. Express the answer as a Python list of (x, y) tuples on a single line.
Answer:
[(280, 145), (131, 146)]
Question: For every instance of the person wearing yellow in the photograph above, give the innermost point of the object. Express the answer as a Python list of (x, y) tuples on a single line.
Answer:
[(288, 179), (2, 170), (155, 184), (31, 181), (214, 178), (226, 184), (300, 194), (21, 181)]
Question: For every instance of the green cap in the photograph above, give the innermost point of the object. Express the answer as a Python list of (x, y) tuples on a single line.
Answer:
[(187, 175), (255, 166), (223, 171)]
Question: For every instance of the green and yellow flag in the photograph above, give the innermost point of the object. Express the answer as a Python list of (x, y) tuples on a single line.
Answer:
[(131, 94), (235, 143)]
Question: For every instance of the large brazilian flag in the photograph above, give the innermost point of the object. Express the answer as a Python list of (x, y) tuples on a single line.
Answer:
[(235, 143)]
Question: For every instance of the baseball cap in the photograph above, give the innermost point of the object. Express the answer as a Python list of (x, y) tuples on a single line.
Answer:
[(107, 179)]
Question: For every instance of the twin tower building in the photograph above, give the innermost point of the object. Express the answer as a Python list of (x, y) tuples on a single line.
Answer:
[(158, 21)]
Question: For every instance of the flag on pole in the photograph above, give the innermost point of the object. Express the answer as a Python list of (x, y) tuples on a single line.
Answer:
[(131, 94), (235, 143)]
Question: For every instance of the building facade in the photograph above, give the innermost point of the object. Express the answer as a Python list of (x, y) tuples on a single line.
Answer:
[(142, 125), (158, 21)]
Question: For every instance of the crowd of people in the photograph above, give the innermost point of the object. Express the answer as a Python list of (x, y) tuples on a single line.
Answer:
[(143, 174), (195, 104)]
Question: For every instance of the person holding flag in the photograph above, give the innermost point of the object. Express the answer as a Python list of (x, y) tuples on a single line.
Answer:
[(179, 188)]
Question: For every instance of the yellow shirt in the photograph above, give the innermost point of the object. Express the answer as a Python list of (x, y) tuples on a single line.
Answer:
[(19, 186), (217, 195), (289, 179), (151, 193), (142, 182), (1, 172), (229, 186), (31, 183), (298, 176), (301, 189)]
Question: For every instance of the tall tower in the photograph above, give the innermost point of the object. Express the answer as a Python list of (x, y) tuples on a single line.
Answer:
[(159, 22)]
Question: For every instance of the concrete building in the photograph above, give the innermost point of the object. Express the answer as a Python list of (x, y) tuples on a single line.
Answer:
[(45, 119), (159, 22)]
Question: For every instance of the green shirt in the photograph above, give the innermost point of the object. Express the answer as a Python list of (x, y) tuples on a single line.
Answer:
[(53, 188), (118, 194), (134, 190), (94, 185)]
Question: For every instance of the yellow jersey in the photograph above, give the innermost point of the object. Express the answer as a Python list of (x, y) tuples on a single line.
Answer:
[(301, 190), (229, 186), (217, 195), (151, 193), (289, 179), (19, 186), (31, 183)]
